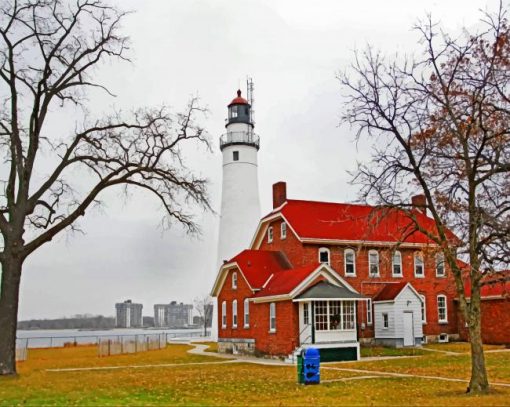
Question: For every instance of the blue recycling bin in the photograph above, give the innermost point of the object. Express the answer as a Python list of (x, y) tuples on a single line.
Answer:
[(311, 366)]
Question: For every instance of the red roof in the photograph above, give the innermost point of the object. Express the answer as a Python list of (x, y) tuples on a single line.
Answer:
[(353, 222), (390, 291), (258, 265), (495, 285), (284, 281), (239, 100)]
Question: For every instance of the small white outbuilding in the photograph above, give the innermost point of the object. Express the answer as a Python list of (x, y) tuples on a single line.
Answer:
[(398, 316)]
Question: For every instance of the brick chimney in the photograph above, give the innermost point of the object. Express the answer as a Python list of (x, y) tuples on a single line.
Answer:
[(419, 202), (279, 194)]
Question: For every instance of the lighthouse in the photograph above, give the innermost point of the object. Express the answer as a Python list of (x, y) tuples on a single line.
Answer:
[(240, 206)]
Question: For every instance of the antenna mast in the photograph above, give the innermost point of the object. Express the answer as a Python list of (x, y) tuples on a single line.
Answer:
[(251, 99)]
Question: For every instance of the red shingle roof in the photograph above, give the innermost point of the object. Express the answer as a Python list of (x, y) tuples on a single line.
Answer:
[(390, 291), (258, 265), (284, 281), (352, 222)]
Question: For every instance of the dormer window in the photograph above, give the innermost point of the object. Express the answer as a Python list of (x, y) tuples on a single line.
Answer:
[(234, 280), (283, 231), (324, 255), (269, 234)]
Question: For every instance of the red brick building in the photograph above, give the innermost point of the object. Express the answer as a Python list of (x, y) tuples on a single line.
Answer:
[(306, 246)]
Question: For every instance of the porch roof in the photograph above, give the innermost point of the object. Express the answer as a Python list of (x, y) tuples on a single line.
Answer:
[(325, 290)]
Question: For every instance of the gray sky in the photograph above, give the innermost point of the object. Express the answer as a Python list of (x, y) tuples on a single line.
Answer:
[(292, 49)]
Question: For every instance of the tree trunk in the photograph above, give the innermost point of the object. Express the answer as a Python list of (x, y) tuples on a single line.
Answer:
[(9, 295), (479, 382)]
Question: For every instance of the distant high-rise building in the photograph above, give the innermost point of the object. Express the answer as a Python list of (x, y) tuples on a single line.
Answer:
[(128, 315), (173, 315)]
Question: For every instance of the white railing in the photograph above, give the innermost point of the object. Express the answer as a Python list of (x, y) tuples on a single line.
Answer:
[(239, 137)]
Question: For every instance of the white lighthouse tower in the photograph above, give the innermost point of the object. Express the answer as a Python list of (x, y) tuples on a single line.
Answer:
[(240, 206)]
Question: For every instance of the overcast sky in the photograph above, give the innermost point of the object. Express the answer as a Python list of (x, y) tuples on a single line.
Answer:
[(293, 50)]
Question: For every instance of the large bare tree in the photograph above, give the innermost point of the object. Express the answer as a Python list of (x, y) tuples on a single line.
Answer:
[(48, 52), (439, 122), (204, 307)]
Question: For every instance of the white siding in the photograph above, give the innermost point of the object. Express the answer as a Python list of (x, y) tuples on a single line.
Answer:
[(406, 301)]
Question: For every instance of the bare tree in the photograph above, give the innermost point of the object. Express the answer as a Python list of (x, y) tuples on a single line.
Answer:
[(204, 307), (440, 125), (48, 52)]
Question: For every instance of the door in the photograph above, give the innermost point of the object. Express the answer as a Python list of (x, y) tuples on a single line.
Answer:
[(305, 323), (408, 329)]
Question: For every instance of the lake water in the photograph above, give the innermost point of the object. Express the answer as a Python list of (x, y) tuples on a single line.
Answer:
[(47, 338)]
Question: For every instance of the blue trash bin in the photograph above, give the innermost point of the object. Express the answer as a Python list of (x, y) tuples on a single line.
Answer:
[(311, 366)]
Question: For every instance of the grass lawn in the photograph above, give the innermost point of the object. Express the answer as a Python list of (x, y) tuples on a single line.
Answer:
[(237, 383), (374, 351)]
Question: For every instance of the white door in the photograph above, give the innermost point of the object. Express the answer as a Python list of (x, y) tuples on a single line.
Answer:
[(408, 329), (305, 323)]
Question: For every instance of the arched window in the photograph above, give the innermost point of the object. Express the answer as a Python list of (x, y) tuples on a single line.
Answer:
[(350, 262), (246, 313), (283, 231), (324, 255), (396, 264), (234, 280), (440, 270), (419, 267), (373, 263), (234, 314), (224, 314), (269, 234), (442, 309)]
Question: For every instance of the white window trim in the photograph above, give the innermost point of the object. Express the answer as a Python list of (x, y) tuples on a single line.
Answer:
[(246, 313), (440, 255), (321, 250), (419, 256), (442, 321), (234, 280), (283, 231), (424, 302), (224, 314), (269, 234), (387, 319), (346, 252), (234, 314), (272, 315), (369, 268), (369, 312), (393, 274)]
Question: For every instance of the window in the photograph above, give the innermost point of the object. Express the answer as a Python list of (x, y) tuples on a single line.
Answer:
[(385, 320), (423, 309), (234, 314), (235, 155), (442, 312), (350, 262), (224, 314), (306, 314), (234, 280), (397, 264), (418, 265), (324, 255), (369, 311), (283, 230), (233, 111), (270, 234), (272, 317), (334, 315), (440, 271), (246, 313), (373, 263)]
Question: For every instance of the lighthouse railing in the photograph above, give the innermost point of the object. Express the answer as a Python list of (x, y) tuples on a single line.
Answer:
[(239, 137)]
